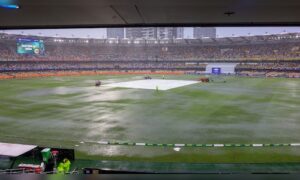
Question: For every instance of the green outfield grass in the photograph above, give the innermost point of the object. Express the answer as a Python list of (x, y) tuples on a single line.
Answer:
[(64, 111)]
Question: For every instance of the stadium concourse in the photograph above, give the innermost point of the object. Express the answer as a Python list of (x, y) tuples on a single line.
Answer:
[(266, 55)]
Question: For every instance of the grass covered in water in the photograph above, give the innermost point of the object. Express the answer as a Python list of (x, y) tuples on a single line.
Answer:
[(63, 111)]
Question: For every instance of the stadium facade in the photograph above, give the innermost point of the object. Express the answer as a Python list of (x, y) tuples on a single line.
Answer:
[(204, 32), (144, 33), (154, 33), (115, 33)]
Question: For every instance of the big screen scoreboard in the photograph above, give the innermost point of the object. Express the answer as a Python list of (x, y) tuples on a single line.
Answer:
[(30, 46)]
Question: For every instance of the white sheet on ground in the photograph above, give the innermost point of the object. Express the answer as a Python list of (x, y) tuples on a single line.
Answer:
[(161, 84)]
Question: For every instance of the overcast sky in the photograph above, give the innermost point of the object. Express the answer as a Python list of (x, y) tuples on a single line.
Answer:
[(100, 33)]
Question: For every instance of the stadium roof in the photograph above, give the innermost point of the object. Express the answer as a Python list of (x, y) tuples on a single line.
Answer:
[(240, 40), (97, 13)]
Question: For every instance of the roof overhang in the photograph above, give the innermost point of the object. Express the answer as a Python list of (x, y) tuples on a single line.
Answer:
[(110, 13), (14, 150)]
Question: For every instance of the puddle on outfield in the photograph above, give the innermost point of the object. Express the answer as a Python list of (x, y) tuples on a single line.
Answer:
[(57, 91), (112, 79), (88, 94)]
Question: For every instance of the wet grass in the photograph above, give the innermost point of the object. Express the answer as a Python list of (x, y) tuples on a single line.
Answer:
[(206, 156), (63, 111)]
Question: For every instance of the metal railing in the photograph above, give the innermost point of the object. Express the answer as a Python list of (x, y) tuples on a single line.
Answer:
[(31, 171)]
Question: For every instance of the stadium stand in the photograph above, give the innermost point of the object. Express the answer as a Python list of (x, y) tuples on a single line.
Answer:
[(268, 55)]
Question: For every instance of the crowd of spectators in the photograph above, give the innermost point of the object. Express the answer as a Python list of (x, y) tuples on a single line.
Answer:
[(281, 66), (269, 74), (286, 57), (281, 69), (12, 66), (105, 52)]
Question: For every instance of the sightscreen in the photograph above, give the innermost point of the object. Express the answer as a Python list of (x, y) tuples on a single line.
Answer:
[(216, 70)]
